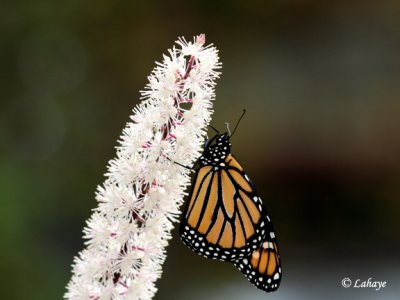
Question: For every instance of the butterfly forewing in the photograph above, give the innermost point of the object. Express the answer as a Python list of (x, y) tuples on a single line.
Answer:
[(224, 216)]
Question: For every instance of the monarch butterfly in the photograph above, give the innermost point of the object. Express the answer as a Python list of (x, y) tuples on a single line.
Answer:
[(225, 218)]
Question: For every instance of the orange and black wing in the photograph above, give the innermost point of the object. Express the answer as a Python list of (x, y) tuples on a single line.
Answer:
[(263, 267), (224, 218)]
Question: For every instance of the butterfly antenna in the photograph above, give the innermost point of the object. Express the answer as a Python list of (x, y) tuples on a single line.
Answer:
[(237, 124), (214, 129)]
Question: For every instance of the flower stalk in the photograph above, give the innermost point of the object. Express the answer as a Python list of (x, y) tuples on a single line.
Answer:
[(129, 230)]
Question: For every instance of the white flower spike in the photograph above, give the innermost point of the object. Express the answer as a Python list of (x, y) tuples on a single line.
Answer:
[(129, 230)]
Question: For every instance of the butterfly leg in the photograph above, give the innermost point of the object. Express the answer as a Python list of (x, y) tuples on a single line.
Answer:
[(186, 167)]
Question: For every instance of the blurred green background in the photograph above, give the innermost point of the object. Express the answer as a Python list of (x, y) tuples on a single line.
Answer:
[(320, 82)]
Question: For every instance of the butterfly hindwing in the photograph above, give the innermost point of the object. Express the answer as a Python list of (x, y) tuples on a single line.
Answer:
[(263, 267), (224, 218)]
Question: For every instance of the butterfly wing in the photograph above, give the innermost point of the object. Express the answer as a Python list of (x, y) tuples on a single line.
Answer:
[(224, 218), (263, 267)]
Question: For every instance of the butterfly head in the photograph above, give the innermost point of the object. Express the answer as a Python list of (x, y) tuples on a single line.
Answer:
[(216, 150)]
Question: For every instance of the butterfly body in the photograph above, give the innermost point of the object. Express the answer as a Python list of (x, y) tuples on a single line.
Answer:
[(225, 218)]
